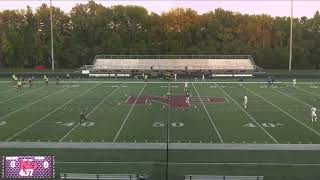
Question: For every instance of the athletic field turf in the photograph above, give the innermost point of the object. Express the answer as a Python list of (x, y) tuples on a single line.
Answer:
[(214, 135)]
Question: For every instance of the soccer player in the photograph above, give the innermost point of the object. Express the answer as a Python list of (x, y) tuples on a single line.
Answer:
[(57, 80), (188, 98), (47, 81), (294, 82), (145, 78), (313, 114), (269, 81), (30, 82), (185, 86), (245, 102), (82, 116), (19, 85)]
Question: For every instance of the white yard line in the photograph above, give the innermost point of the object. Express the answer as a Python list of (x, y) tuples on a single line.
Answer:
[(285, 94), (50, 113), (101, 102), (306, 91), (7, 90), (32, 103), (20, 95), (5, 84), (205, 108), (127, 117), (128, 99), (306, 126), (253, 119)]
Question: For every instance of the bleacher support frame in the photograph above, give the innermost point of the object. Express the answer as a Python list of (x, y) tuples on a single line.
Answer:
[(221, 177)]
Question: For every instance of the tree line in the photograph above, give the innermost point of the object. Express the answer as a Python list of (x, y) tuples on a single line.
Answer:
[(91, 29)]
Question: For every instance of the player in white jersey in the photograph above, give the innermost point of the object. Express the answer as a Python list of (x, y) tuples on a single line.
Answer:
[(185, 86), (245, 101), (313, 114), (294, 82), (188, 98)]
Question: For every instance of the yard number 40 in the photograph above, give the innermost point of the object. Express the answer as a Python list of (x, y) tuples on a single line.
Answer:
[(267, 125)]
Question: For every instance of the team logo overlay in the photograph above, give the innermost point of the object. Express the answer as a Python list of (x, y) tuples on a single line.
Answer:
[(28, 167)]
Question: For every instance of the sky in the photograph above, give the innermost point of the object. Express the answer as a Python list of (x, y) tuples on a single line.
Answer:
[(272, 7)]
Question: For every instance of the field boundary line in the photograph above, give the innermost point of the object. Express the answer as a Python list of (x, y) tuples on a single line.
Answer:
[(294, 98), (20, 95), (101, 102), (283, 111), (48, 114), (205, 108), (158, 146), (128, 114), (189, 163), (178, 82), (32, 103), (252, 118)]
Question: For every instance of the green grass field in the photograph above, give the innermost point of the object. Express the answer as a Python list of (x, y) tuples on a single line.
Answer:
[(132, 112)]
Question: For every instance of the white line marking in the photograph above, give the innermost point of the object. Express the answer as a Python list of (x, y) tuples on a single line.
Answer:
[(126, 118), (128, 99), (20, 95), (248, 114), (306, 126), (32, 103), (50, 114), (285, 94), (90, 113), (5, 84), (190, 163), (307, 91), (205, 108), (1, 92), (161, 82)]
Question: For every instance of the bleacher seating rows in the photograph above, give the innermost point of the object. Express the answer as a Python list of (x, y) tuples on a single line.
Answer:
[(173, 64)]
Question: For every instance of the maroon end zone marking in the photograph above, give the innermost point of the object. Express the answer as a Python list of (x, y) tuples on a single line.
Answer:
[(174, 101), (216, 99), (178, 101)]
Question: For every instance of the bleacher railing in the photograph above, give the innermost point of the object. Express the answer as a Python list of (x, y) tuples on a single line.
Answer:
[(173, 57)]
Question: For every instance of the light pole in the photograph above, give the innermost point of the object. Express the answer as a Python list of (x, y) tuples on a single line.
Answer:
[(290, 51), (52, 55)]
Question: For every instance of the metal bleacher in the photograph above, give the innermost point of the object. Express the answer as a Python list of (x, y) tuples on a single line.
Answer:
[(177, 63), (213, 177)]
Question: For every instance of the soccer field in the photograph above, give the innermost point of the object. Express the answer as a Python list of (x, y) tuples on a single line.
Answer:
[(139, 117)]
